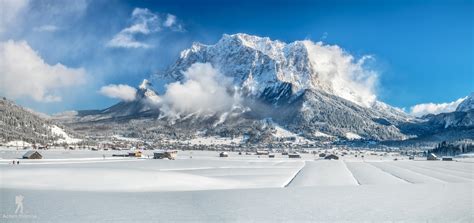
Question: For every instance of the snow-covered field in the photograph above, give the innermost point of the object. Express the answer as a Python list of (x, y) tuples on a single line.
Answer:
[(83, 186)]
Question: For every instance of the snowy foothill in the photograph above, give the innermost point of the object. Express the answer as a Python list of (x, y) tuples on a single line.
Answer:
[(208, 188), (65, 138)]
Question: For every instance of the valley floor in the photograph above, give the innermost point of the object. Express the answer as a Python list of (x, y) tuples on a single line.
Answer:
[(82, 186)]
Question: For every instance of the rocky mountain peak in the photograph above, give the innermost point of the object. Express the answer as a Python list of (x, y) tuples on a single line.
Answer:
[(467, 104)]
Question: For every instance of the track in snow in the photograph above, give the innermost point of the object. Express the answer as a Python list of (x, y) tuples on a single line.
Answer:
[(324, 173)]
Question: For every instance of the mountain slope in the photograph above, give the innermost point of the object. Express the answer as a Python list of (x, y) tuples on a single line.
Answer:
[(20, 124), (309, 89), (258, 64), (294, 78), (467, 104)]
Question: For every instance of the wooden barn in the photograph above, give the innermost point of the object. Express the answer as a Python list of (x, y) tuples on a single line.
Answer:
[(294, 155), (32, 154), (331, 157), (432, 156), (223, 154), (447, 158), (170, 154)]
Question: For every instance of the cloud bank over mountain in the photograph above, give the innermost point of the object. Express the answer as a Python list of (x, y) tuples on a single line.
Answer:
[(121, 91), (347, 76), (433, 108), (204, 91)]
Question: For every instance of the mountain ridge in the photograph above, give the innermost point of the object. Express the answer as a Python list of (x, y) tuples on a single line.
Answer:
[(289, 83)]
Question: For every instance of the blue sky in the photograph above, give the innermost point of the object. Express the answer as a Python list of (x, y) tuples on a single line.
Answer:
[(424, 50)]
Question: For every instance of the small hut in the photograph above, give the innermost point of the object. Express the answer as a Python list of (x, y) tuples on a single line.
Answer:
[(432, 156), (136, 153), (171, 154), (223, 154), (271, 156), (331, 157), (447, 158), (262, 152), (32, 154), (294, 155)]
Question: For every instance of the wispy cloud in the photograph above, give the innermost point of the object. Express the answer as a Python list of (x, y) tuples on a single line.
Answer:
[(144, 22), (46, 28), (170, 20), (433, 108), (121, 91), (26, 74)]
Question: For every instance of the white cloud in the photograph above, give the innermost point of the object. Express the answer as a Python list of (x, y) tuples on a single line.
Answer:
[(204, 91), (432, 108), (144, 22), (46, 28), (8, 12), (170, 20), (342, 74), (121, 91), (25, 74), (124, 40)]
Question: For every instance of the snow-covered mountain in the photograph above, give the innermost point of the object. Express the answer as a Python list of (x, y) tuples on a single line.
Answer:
[(309, 89), (467, 104), (260, 65), (316, 86), (463, 117)]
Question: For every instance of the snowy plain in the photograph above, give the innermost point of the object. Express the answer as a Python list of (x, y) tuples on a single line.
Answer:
[(83, 186)]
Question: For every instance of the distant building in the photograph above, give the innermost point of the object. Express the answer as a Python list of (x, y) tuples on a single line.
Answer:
[(262, 152), (331, 157), (271, 156), (136, 153), (32, 154), (223, 154), (171, 154), (447, 158), (432, 156), (294, 155)]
